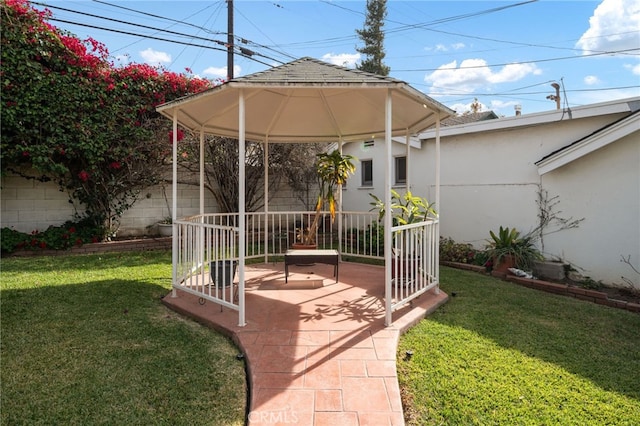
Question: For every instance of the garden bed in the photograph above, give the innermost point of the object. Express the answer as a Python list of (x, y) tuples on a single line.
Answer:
[(614, 297)]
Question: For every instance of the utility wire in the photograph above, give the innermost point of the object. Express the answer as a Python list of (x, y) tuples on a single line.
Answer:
[(159, 38), (613, 52)]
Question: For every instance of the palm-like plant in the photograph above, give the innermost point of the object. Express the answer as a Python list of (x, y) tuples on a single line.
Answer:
[(333, 170), (406, 209), (508, 243)]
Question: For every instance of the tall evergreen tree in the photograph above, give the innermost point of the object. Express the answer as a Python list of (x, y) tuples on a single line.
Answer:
[(373, 38)]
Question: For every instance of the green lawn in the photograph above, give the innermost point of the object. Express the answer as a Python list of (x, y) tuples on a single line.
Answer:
[(86, 340), (501, 354)]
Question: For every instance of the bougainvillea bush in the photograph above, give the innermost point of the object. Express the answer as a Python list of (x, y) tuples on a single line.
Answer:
[(69, 115), (67, 235)]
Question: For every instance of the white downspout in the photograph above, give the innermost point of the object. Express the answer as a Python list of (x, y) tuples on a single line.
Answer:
[(387, 217), (241, 208), (174, 207)]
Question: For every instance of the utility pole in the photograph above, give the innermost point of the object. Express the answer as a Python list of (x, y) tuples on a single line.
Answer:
[(229, 40)]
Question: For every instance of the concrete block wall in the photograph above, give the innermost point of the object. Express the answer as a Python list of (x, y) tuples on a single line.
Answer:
[(28, 205)]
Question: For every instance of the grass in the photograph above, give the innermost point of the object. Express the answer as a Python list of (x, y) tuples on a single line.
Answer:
[(498, 353), (86, 340)]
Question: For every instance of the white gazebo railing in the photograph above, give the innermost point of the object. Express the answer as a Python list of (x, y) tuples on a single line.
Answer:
[(208, 250)]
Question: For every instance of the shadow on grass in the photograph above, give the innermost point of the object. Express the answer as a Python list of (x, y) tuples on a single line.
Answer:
[(598, 343), (108, 351)]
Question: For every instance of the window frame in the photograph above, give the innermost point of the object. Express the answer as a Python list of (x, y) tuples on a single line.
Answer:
[(363, 175), (396, 170)]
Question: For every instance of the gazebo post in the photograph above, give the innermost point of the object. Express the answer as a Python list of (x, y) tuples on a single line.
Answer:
[(339, 209), (174, 202), (266, 200), (387, 217), (407, 169), (241, 207), (437, 201)]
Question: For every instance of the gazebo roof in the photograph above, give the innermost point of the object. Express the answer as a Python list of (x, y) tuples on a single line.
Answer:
[(307, 100)]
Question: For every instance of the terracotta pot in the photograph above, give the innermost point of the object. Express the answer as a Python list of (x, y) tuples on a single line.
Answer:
[(507, 262)]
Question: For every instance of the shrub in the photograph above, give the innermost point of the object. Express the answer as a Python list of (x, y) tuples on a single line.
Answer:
[(450, 251), (65, 236)]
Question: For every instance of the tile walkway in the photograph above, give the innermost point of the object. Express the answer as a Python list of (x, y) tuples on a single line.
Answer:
[(317, 351)]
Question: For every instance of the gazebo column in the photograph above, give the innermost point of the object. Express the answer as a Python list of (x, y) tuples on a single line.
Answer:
[(241, 207), (407, 161), (387, 217), (437, 201), (266, 199), (174, 206), (339, 209)]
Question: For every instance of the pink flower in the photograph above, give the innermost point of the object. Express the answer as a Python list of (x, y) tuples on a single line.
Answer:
[(84, 176), (180, 135)]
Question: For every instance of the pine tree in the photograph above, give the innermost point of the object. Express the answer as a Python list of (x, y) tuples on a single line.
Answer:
[(373, 38)]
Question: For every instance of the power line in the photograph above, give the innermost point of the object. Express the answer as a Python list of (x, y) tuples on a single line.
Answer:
[(135, 24), (613, 52), (157, 38)]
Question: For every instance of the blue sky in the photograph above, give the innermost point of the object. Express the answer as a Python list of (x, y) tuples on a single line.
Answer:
[(504, 53)]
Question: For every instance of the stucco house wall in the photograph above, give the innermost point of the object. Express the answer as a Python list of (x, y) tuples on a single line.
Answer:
[(489, 178)]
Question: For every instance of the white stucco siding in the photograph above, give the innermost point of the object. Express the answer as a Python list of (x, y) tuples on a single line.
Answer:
[(489, 178), (604, 188)]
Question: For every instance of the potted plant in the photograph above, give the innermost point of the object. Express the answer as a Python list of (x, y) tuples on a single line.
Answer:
[(508, 249), (405, 209), (332, 170)]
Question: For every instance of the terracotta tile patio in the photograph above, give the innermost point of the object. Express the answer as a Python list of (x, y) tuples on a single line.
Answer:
[(317, 351)]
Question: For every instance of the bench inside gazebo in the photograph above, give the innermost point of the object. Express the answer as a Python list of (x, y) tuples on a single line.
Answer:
[(303, 101)]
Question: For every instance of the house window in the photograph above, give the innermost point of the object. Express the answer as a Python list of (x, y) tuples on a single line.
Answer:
[(367, 172), (401, 170)]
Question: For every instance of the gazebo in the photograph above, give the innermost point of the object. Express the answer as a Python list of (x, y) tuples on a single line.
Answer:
[(303, 101)]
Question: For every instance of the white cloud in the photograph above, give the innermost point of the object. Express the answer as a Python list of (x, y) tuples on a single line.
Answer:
[(635, 69), (613, 26), (155, 57), (342, 59), (473, 74), (444, 48), (123, 59), (221, 72), (590, 80)]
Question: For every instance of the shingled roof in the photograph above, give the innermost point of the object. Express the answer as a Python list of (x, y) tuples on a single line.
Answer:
[(308, 100), (469, 118)]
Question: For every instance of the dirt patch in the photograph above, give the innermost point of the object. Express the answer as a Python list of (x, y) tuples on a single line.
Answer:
[(621, 294)]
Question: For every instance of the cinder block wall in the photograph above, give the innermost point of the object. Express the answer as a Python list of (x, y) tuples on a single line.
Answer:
[(28, 205)]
